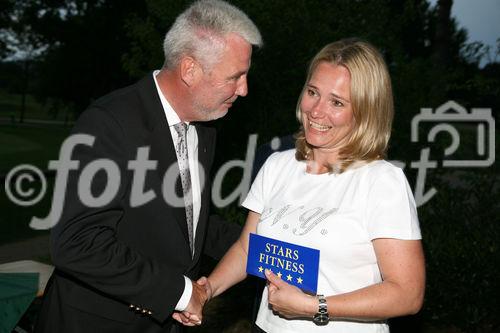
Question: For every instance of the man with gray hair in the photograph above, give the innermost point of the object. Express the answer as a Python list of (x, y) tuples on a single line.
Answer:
[(129, 264)]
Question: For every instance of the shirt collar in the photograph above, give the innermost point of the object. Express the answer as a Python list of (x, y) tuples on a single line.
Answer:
[(172, 117)]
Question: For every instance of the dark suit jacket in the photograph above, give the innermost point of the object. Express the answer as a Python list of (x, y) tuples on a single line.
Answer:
[(113, 257)]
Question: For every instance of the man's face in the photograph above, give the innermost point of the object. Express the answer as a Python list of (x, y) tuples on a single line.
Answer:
[(221, 84)]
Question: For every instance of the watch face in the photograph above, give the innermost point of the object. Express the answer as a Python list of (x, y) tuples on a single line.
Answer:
[(321, 319)]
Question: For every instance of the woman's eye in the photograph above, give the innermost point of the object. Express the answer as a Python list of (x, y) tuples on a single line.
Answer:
[(311, 92), (338, 103)]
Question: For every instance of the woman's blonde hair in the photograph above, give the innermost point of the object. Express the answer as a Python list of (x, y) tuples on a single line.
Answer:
[(371, 101)]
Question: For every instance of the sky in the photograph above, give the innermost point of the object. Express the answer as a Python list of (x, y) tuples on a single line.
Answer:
[(481, 19)]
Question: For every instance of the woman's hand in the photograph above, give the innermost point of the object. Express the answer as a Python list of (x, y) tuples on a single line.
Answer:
[(289, 301)]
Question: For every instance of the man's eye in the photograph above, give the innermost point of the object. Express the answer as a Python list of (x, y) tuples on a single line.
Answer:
[(236, 77)]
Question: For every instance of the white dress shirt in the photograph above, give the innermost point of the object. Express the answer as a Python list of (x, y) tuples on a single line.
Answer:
[(192, 146)]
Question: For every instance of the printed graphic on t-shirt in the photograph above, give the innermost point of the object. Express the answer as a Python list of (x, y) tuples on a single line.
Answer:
[(301, 218)]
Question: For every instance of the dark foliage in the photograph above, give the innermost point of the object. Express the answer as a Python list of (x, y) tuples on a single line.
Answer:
[(461, 228)]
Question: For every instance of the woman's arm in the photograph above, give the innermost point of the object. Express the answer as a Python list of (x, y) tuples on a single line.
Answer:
[(232, 267), (401, 292), (229, 271)]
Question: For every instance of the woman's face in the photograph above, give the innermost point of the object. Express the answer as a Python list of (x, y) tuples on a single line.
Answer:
[(326, 107)]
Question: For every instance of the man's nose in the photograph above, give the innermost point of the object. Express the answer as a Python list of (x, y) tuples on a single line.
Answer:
[(242, 89)]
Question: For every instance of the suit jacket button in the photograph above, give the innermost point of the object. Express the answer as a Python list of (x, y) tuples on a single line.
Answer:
[(150, 313)]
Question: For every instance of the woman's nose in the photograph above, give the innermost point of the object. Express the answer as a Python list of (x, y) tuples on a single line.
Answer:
[(317, 109)]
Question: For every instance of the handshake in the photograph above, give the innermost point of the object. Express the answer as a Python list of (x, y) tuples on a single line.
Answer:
[(284, 299), (192, 315)]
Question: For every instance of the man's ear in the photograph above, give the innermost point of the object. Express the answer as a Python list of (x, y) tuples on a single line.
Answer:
[(190, 71)]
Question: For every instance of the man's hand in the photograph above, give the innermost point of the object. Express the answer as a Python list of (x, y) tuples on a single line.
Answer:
[(193, 315)]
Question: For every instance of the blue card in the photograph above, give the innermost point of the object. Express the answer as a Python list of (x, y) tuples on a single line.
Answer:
[(294, 264)]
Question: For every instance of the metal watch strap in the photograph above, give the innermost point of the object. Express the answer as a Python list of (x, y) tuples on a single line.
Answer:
[(321, 317)]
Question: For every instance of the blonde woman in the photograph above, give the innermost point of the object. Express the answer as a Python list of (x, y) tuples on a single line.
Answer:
[(337, 194)]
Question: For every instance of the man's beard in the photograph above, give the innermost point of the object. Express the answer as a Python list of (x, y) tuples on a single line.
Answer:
[(207, 114)]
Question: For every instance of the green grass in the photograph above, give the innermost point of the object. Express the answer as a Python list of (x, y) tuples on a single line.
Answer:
[(32, 145), (26, 145), (10, 106)]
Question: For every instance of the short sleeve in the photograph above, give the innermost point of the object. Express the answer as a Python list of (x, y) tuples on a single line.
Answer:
[(391, 211), (256, 197)]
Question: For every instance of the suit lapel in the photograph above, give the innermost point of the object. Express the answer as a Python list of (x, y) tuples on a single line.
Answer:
[(162, 149), (205, 147)]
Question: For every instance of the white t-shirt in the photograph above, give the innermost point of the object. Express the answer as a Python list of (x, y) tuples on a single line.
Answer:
[(338, 214)]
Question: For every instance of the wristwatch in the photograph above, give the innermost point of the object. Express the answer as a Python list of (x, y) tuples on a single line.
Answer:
[(321, 317)]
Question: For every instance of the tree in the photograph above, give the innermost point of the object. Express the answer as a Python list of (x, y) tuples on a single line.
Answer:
[(5, 11), (85, 43), (21, 43)]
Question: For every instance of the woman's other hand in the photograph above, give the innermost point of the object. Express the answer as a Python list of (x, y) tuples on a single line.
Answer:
[(287, 300)]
